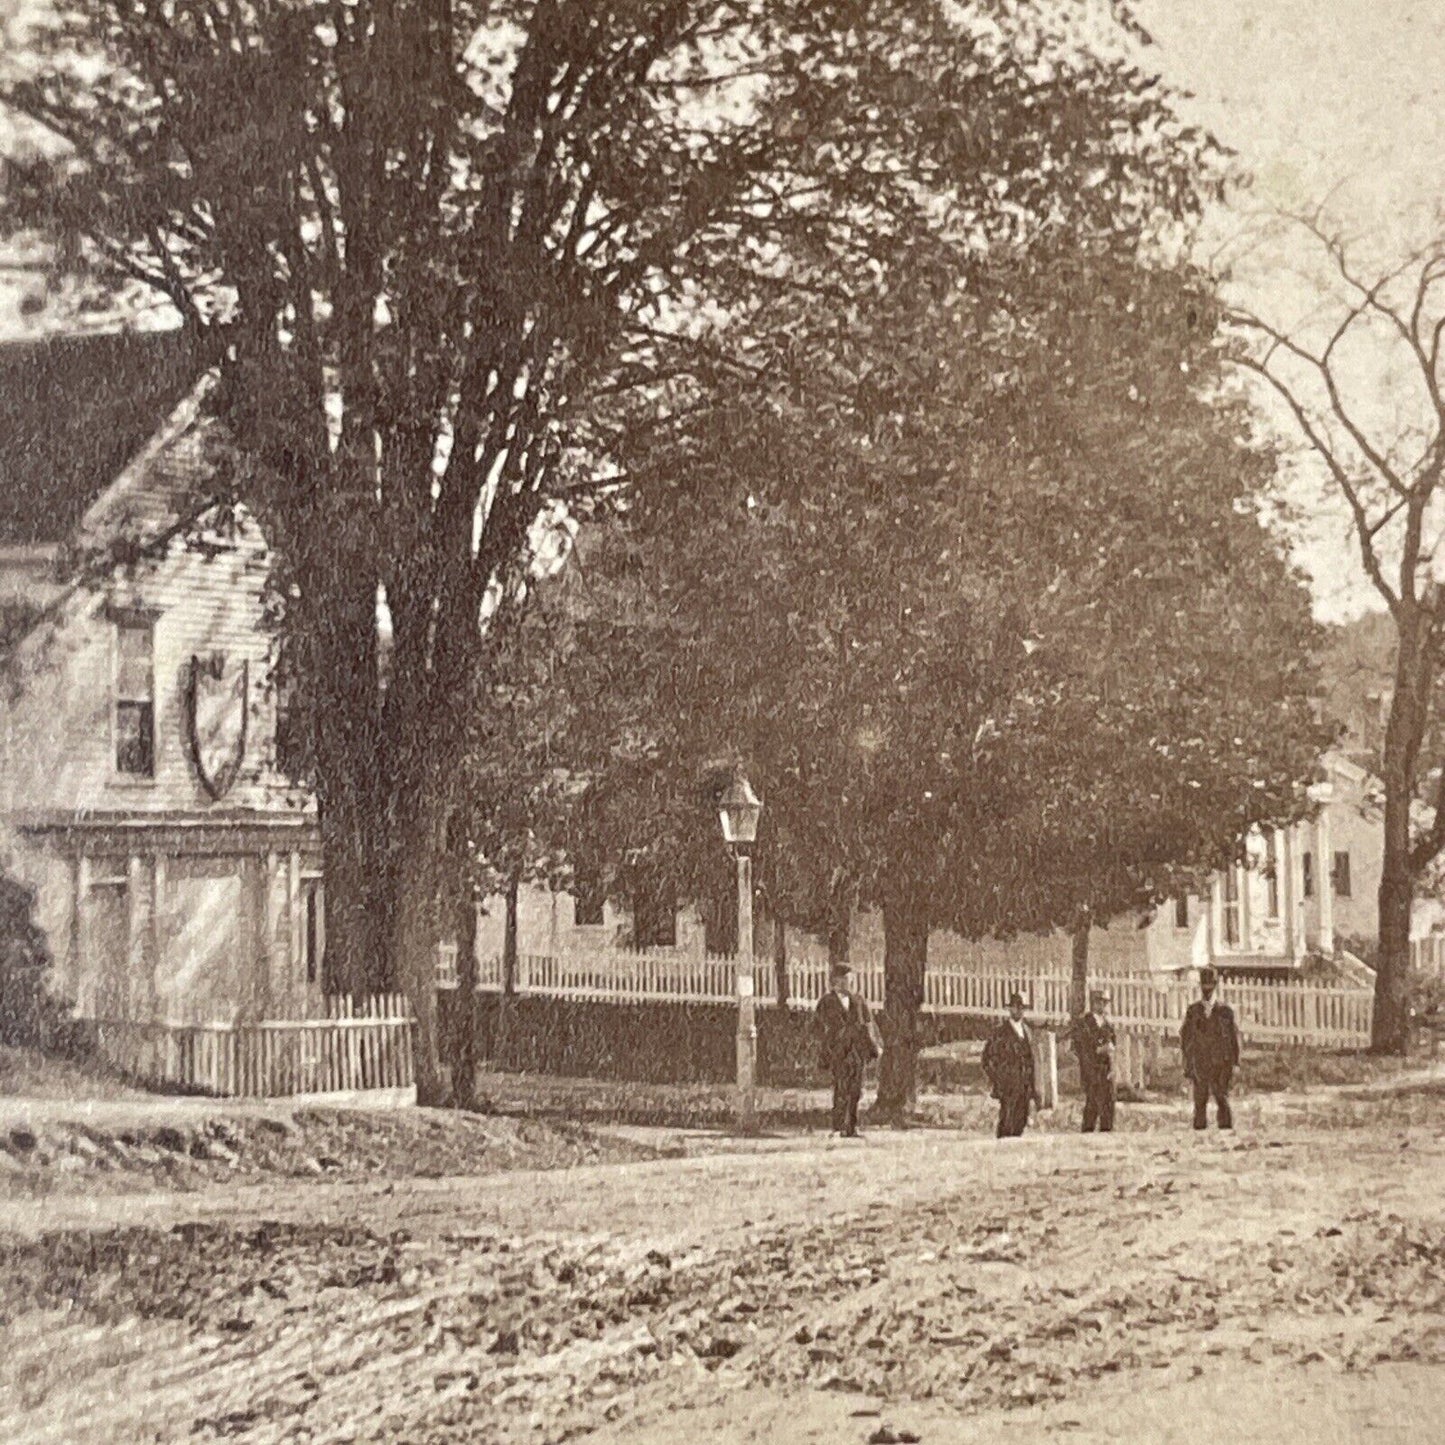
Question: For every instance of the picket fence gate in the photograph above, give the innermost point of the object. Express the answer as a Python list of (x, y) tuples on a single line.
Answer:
[(359, 1044), (1286, 1012)]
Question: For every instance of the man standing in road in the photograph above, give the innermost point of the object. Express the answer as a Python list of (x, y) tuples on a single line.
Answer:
[(1008, 1060), (847, 1043), (1210, 1040), (1094, 1045)]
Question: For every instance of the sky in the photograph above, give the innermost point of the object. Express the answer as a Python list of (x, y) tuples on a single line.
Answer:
[(1337, 99)]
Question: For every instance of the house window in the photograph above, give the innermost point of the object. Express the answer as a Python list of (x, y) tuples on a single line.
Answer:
[(1229, 910), (1181, 910), (1340, 875), (447, 974), (1271, 876), (1309, 875), (313, 918), (135, 710), (589, 898), (654, 913), (720, 924)]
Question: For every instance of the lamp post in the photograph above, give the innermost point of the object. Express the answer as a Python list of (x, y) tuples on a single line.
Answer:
[(739, 809)]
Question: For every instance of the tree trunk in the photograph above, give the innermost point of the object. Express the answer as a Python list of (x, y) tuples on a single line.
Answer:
[(905, 957), (1079, 962), (840, 926), (780, 960), (464, 1065), (509, 936), (336, 641), (422, 871), (1404, 731), (507, 1002), (1390, 1028), (415, 944)]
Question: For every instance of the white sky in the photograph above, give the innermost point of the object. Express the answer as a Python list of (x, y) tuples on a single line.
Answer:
[(1337, 98)]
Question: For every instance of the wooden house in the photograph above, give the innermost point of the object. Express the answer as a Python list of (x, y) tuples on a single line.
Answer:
[(178, 872)]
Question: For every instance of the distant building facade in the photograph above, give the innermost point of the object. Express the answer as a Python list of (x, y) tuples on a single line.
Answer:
[(1305, 892)]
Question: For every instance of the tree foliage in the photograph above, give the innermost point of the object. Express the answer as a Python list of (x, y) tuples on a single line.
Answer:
[(433, 246), (30, 1015), (982, 602)]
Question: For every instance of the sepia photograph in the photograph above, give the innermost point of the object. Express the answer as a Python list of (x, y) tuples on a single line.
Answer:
[(722, 722)]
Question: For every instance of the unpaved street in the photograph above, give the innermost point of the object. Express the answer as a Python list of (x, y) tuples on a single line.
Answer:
[(1288, 1281)]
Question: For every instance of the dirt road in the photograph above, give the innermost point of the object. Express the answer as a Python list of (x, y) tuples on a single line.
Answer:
[(1288, 1282)]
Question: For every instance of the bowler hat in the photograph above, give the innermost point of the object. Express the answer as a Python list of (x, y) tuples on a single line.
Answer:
[(839, 969), (1017, 998)]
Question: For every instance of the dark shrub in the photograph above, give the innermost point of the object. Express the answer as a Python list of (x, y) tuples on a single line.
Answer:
[(29, 1016)]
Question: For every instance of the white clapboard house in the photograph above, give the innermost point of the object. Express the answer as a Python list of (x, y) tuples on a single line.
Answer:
[(177, 871)]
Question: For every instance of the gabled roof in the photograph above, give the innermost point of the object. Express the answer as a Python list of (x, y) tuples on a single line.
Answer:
[(73, 411)]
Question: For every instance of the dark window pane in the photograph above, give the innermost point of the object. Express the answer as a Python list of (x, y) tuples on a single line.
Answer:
[(315, 932), (135, 752), (654, 914), (1342, 875), (720, 924), (588, 899), (1309, 875), (1181, 910)]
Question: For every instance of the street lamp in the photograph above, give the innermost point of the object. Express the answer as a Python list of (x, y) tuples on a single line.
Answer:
[(739, 809)]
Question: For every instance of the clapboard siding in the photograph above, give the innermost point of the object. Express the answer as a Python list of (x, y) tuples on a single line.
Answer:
[(61, 751), (159, 901)]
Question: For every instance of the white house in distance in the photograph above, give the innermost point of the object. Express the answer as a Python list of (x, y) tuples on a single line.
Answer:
[(177, 872), (1308, 891)]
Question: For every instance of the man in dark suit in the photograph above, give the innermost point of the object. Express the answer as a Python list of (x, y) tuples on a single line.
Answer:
[(1210, 1040), (1094, 1045), (1008, 1060), (846, 1044)]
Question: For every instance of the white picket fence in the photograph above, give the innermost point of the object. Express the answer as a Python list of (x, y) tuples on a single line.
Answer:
[(1288, 1012), (360, 1044)]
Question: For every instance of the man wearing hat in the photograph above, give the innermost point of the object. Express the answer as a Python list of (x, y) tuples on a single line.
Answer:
[(1008, 1060), (847, 1044), (1094, 1045), (1210, 1040)]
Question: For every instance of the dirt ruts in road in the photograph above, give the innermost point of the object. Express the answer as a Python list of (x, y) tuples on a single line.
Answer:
[(971, 1276)]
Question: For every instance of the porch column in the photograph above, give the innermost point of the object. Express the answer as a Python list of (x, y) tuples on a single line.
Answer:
[(1325, 883), (1284, 853), (1242, 880), (266, 952), (158, 938), (137, 934), (295, 959), (78, 987)]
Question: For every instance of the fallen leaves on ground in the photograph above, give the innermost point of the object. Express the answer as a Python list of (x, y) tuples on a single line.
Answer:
[(191, 1150)]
